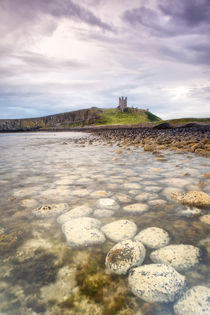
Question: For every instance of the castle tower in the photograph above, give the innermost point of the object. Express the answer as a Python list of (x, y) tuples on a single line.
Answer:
[(123, 103)]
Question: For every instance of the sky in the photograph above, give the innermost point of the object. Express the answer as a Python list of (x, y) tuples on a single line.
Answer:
[(63, 55)]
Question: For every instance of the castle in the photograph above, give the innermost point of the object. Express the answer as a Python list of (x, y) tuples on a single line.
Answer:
[(123, 103)]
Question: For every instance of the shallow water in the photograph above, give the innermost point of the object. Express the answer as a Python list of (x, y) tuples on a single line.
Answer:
[(40, 273)]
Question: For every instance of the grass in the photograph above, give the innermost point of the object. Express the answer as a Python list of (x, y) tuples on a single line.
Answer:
[(114, 116), (188, 120)]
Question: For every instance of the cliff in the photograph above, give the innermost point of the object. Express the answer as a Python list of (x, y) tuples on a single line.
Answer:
[(74, 118)]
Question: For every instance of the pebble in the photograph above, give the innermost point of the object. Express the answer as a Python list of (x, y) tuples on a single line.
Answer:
[(194, 301), (181, 257), (153, 237), (83, 232), (51, 210), (125, 255), (107, 203), (136, 208), (81, 211), (120, 230), (156, 283)]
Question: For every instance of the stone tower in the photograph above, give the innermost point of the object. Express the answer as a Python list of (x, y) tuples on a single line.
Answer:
[(123, 103)]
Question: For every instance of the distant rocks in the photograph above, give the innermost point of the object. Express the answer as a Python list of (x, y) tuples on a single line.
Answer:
[(153, 237), (194, 301), (156, 283), (125, 255), (136, 208), (51, 210), (83, 232), (192, 198), (181, 257), (120, 230)]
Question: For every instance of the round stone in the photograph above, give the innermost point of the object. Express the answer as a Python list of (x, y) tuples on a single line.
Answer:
[(194, 301), (205, 219), (125, 255), (103, 213), (157, 203), (120, 230), (144, 196), (83, 232), (153, 237), (136, 208), (181, 257), (156, 283), (51, 210), (107, 203), (80, 211)]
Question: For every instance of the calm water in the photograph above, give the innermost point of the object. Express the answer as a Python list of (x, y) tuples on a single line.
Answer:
[(39, 273)]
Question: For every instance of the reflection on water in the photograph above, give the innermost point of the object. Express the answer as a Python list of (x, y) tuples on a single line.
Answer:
[(40, 273)]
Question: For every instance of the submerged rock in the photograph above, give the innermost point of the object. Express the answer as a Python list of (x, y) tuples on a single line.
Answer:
[(120, 230), (107, 203), (51, 210), (156, 283), (100, 213), (181, 257), (136, 208), (80, 211), (125, 255), (144, 196), (192, 198), (205, 219), (153, 237), (194, 301), (83, 232)]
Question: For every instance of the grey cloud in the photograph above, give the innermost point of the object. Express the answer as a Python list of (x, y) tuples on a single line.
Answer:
[(32, 9), (172, 18)]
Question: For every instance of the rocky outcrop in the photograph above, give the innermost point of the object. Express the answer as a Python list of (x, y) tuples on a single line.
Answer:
[(84, 116)]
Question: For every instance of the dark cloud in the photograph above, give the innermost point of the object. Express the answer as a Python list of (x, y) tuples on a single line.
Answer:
[(172, 18), (32, 9)]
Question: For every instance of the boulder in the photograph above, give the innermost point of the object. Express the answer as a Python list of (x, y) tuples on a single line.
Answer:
[(194, 301), (181, 257), (153, 237), (80, 211), (192, 198), (120, 230), (156, 283), (125, 255)]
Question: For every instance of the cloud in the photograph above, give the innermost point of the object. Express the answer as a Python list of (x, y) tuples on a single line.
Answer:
[(31, 10)]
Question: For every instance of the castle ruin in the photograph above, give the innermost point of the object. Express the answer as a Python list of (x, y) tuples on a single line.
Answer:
[(123, 103)]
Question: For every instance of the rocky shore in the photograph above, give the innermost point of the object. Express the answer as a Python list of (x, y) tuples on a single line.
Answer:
[(192, 138)]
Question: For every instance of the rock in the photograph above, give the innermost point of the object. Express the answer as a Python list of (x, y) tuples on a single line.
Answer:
[(194, 301), (99, 194), (83, 232), (120, 230), (144, 196), (189, 212), (123, 198), (107, 203), (153, 189), (192, 198), (153, 237), (80, 192), (181, 257), (131, 186), (29, 203), (156, 283), (163, 126), (157, 202), (81, 211), (103, 213), (51, 210), (136, 208), (205, 219), (175, 182), (125, 255)]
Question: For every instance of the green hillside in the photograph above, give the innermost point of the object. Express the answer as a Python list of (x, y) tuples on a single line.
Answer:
[(188, 120), (114, 116)]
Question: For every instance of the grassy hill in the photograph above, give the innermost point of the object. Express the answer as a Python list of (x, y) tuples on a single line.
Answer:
[(188, 120), (114, 116)]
